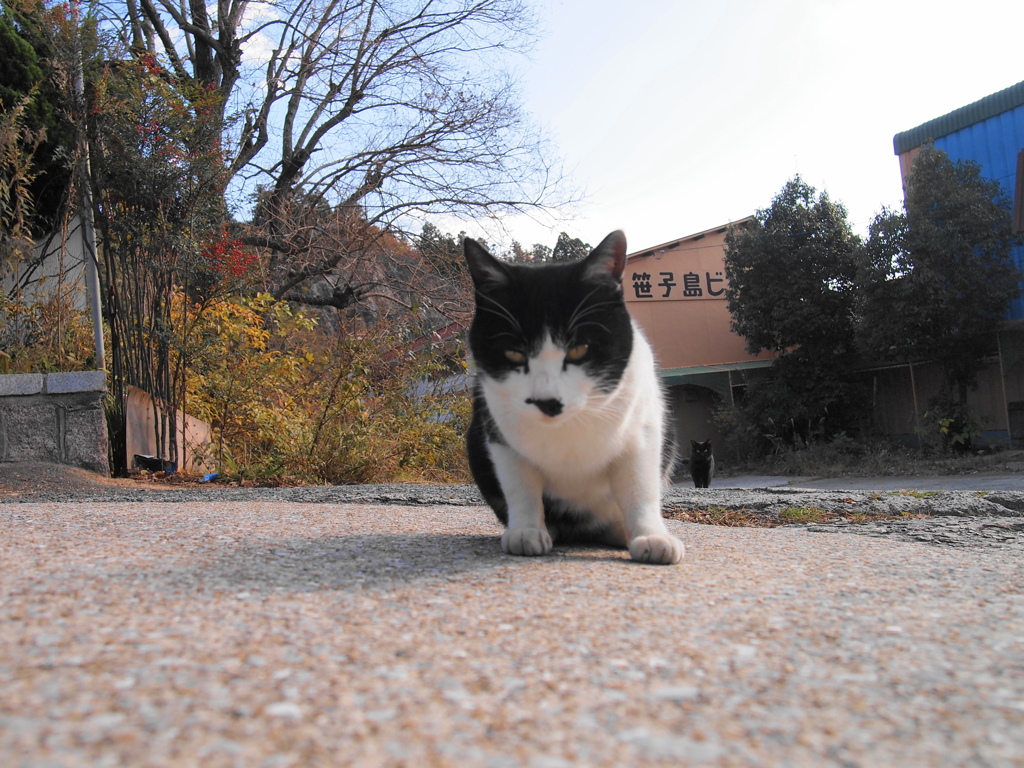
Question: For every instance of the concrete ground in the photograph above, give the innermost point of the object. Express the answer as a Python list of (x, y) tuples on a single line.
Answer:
[(273, 634)]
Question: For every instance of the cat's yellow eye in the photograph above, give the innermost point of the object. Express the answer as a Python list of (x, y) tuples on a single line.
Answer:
[(577, 353), (516, 357)]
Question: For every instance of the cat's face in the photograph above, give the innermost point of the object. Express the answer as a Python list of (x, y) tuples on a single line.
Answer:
[(700, 450), (550, 340)]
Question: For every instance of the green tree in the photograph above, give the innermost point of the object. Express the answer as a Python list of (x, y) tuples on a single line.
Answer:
[(517, 254), (30, 76), (540, 253), (937, 278), (569, 248), (441, 249), (791, 291), (566, 249), (791, 274)]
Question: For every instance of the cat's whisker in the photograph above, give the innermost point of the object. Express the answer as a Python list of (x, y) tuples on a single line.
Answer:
[(501, 311), (582, 311), (601, 407), (582, 302), (579, 314), (602, 326)]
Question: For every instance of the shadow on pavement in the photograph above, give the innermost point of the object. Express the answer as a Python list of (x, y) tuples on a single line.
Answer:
[(359, 562), (352, 562)]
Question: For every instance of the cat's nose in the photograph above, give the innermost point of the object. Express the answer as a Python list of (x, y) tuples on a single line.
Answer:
[(549, 407)]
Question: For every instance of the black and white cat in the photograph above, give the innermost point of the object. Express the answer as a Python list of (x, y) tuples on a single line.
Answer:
[(569, 440)]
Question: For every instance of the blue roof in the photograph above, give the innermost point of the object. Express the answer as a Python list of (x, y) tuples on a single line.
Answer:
[(958, 119)]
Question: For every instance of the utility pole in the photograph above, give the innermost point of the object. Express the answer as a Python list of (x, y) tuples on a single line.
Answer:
[(88, 225)]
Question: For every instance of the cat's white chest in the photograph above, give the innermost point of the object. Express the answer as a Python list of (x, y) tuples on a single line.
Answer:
[(593, 428)]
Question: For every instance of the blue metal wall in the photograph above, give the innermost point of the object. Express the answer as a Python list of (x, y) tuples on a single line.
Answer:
[(993, 144)]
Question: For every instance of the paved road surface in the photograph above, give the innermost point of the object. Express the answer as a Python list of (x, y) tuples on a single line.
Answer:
[(277, 633), (979, 481)]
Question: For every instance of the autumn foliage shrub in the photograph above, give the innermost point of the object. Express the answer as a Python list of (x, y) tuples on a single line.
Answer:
[(388, 415), (240, 376), (287, 400), (45, 335)]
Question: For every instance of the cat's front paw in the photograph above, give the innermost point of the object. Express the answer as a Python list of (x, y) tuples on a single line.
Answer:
[(530, 542), (657, 549)]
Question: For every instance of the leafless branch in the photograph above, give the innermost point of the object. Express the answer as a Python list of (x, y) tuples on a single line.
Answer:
[(368, 110)]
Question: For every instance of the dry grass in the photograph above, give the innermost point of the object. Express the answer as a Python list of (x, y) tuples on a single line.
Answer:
[(749, 518), (731, 518)]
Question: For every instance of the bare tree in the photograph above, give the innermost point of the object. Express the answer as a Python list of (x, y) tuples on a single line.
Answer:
[(348, 117)]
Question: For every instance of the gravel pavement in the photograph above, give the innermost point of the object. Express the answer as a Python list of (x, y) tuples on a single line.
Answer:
[(310, 627)]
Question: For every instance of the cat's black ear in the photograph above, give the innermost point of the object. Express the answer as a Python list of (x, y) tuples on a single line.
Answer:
[(485, 269), (609, 258), (693, 444)]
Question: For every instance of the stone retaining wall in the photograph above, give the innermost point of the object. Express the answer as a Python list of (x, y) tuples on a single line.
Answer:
[(54, 417)]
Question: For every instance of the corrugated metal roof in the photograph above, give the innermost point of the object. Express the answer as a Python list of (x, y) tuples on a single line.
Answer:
[(983, 109), (679, 375)]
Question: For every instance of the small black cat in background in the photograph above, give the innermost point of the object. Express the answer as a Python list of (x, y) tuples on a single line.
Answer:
[(702, 464)]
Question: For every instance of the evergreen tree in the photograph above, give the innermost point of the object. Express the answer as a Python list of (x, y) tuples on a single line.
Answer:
[(791, 291), (569, 248), (441, 249), (937, 278), (28, 69)]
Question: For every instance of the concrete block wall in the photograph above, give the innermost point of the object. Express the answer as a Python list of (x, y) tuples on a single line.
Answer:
[(54, 417)]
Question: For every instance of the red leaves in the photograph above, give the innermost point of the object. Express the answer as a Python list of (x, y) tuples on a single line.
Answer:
[(228, 257), (151, 65)]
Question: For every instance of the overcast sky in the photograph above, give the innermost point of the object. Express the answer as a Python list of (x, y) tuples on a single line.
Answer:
[(680, 116)]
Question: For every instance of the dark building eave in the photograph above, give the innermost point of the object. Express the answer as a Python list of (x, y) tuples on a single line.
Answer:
[(958, 119)]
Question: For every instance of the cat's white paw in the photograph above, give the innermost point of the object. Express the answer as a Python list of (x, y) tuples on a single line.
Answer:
[(530, 542), (657, 549)]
